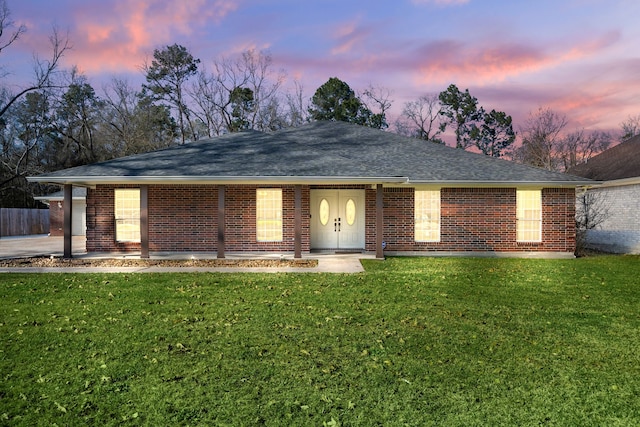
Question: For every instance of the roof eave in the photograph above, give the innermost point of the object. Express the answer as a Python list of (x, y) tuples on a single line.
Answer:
[(618, 182), (505, 184), (90, 181), (57, 198)]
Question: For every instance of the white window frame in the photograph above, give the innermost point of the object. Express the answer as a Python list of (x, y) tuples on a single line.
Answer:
[(269, 215), (127, 214), (529, 216), (426, 217)]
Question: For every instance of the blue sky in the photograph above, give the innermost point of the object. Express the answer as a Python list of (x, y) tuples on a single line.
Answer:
[(577, 57)]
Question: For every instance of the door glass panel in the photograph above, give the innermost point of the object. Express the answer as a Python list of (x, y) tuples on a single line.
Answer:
[(351, 211), (324, 212)]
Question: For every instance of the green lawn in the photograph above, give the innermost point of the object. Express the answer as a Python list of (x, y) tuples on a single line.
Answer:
[(468, 342)]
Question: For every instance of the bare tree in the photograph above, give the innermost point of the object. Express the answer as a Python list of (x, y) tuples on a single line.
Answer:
[(207, 97), (592, 209), (273, 114), (8, 25), (133, 122), (378, 101), (422, 119), (18, 147), (265, 85), (239, 94), (77, 121), (120, 101), (297, 110), (24, 143), (630, 127), (44, 70), (541, 137), (579, 146)]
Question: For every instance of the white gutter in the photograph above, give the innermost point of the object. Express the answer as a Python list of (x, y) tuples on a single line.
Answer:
[(504, 184), (90, 181), (619, 182), (57, 198)]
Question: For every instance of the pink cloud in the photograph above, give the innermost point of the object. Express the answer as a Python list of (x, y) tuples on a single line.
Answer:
[(448, 60), (348, 37), (603, 106), (514, 77), (120, 40), (587, 105)]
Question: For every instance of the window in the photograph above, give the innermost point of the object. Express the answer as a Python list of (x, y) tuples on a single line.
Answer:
[(269, 215), (324, 212), (350, 209), (127, 215), (427, 216), (529, 215)]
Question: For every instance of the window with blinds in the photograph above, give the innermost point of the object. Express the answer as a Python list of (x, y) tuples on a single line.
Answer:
[(529, 216), (427, 216), (127, 215), (269, 215)]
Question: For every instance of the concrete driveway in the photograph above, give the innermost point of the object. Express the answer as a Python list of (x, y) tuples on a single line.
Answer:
[(39, 245)]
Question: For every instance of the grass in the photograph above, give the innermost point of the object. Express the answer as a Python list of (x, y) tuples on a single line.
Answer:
[(421, 342)]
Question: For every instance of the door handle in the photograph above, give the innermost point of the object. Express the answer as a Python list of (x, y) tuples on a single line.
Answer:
[(335, 225), (339, 223)]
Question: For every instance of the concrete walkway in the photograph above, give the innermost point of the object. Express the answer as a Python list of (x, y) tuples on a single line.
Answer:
[(42, 245)]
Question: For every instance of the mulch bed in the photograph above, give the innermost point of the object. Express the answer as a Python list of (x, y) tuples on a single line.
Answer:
[(133, 262)]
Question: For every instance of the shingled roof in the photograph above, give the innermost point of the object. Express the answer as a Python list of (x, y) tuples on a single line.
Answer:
[(619, 162), (315, 152)]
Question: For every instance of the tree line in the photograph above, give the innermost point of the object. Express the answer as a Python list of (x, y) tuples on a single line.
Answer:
[(60, 120)]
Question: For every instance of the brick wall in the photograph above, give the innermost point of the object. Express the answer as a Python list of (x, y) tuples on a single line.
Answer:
[(474, 219), (620, 230), (56, 218), (622, 205), (558, 219), (240, 219), (184, 218), (101, 221)]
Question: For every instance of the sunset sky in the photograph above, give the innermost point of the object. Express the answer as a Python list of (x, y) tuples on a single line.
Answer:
[(577, 57)]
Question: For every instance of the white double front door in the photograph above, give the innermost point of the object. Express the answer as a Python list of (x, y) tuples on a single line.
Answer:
[(337, 219)]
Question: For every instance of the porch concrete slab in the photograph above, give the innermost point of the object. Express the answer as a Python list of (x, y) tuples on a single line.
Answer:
[(43, 245)]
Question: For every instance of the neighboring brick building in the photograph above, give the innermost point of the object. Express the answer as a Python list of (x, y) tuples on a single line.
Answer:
[(323, 186), (55, 201), (618, 197)]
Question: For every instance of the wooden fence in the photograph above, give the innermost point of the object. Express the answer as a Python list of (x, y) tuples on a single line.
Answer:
[(23, 222)]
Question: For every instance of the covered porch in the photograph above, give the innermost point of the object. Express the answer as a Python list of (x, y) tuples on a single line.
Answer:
[(222, 212)]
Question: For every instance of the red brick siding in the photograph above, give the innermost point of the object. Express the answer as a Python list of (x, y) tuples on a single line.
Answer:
[(184, 218), (56, 218), (558, 219), (370, 219), (474, 219), (101, 221), (240, 219)]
